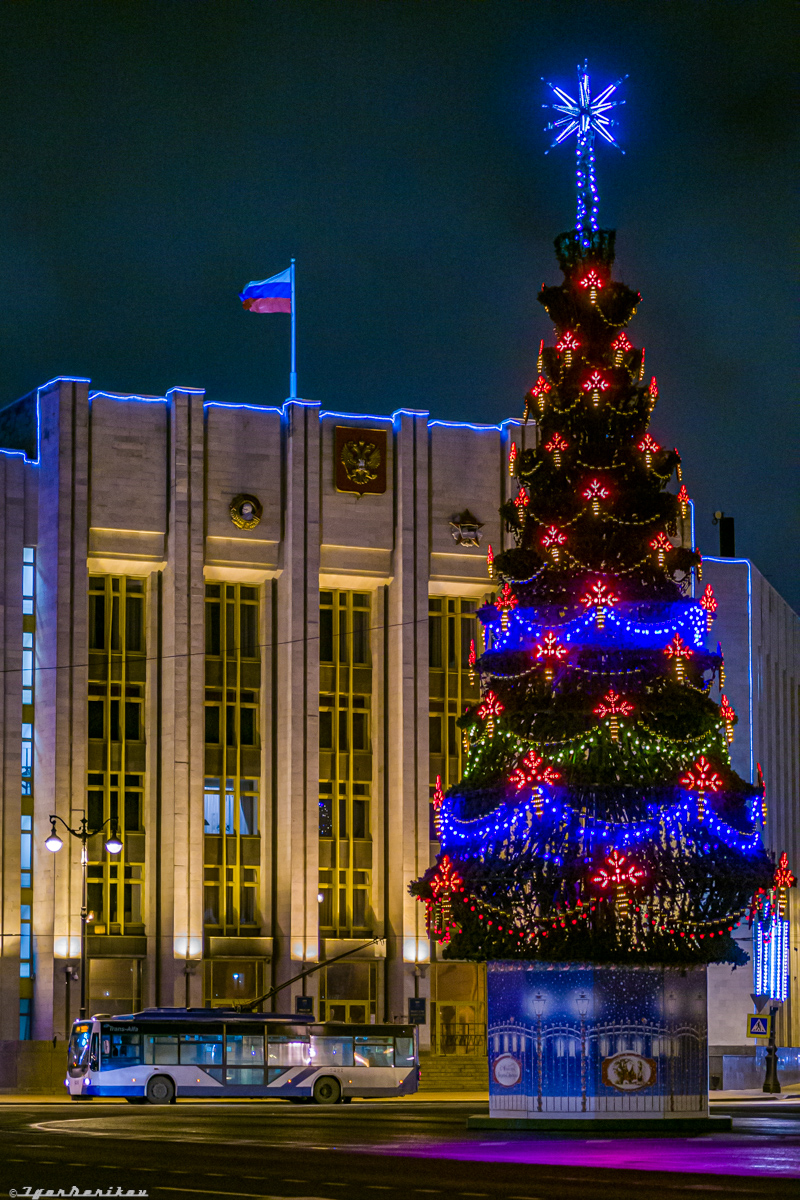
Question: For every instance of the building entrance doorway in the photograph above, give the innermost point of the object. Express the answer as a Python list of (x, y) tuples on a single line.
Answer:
[(348, 992), (458, 1008)]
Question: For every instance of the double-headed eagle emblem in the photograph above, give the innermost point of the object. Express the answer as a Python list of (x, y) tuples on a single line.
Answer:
[(361, 462)]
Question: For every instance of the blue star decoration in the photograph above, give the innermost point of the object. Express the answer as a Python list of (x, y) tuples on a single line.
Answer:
[(585, 118)]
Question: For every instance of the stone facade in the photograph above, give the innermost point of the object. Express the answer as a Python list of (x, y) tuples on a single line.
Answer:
[(175, 685), (760, 638)]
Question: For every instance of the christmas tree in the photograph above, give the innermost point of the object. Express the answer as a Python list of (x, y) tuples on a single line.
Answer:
[(598, 818)]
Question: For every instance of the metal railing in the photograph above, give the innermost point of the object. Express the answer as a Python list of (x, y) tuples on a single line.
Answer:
[(459, 1037)]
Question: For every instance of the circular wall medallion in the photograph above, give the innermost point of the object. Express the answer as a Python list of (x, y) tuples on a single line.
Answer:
[(246, 511), (507, 1070)]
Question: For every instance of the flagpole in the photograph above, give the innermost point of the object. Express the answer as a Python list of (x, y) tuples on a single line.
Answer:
[(293, 375)]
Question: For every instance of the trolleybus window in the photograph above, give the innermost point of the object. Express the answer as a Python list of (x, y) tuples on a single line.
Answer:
[(161, 1049), (374, 1051), (404, 1052), (290, 1051), (244, 1056), (201, 1049), (331, 1051), (244, 1049), (119, 1049)]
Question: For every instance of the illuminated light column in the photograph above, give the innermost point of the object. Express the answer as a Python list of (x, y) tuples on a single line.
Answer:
[(649, 446), (728, 715), (567, 344), (551, 539), (538, 393), (490, 708), (512, 459), (683, 499), (556, 446), (599, 597), (436, 801), (678, 650), (522, 500), (613, 706), (701, 778), (652, 391), (594, 385), (594, 493), (529, 771), (708, 602), (621, 346), (490, 561), (550, 651), (662, 546), (619, 877), (504, 604)]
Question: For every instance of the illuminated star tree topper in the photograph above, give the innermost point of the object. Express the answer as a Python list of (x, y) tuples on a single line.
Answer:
[(585, 117)]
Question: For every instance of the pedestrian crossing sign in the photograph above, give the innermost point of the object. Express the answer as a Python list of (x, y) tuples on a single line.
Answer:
[(759, 1025)]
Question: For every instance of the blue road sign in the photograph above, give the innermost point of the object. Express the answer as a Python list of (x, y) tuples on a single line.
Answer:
[(759, 1025)]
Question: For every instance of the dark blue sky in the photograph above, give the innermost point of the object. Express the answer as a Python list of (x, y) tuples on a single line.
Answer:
[(157, 156)]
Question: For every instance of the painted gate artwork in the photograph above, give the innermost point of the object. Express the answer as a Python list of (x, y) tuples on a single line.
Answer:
[(579, 1040)]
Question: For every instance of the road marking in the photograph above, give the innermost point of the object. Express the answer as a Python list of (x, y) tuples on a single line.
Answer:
[(378, 1187)]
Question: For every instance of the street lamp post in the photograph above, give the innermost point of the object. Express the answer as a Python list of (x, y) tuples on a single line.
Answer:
[(83, 833), (538, 1008), (582, 1001), (771, 1081)]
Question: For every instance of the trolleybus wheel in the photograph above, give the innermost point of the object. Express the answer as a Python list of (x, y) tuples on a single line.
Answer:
[(327, 1090), (160, 1090)]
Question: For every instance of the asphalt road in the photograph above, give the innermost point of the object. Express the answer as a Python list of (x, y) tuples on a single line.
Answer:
[(373, 1150)]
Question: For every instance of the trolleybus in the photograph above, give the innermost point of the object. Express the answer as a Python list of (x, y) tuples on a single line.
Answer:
[(160, 1054)]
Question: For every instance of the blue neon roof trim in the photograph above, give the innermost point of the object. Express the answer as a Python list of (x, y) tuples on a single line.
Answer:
[(232, 404), (128, 396), (34, 462)]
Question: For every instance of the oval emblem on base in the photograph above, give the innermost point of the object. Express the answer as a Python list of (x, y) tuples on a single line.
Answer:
[(507, 1071), (629, 1072)]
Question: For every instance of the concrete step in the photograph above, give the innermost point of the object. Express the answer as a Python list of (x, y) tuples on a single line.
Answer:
[(453, 1073)]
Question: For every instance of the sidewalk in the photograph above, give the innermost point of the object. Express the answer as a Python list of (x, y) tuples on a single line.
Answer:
[(788, 1091)]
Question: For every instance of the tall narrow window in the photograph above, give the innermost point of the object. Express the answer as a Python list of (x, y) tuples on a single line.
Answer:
[(233, 760), (345, 749), (116, 751), (453, 630)]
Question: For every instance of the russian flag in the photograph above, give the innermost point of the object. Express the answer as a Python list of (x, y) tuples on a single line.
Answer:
[(269, 295)]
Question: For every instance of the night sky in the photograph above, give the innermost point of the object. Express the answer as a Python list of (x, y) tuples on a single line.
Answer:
[(157, 156)]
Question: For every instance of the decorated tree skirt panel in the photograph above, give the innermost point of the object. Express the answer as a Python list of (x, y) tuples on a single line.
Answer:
[(589, 1041)]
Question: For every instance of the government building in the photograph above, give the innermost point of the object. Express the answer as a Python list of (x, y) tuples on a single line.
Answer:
[(240, 637)]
